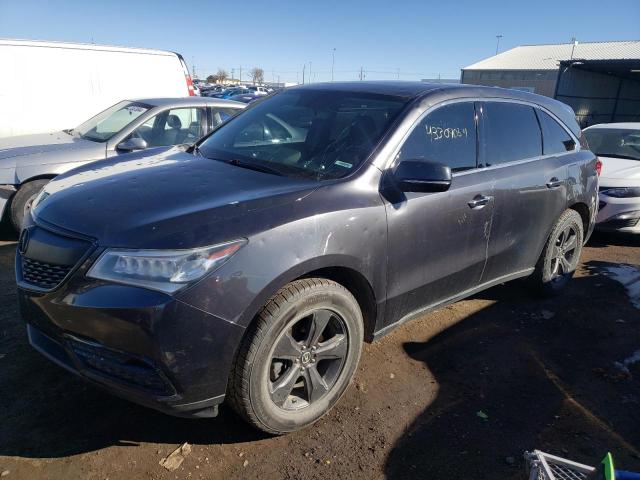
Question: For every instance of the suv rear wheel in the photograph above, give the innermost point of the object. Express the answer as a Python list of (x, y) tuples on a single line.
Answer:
[(560, 255), (298, 357)]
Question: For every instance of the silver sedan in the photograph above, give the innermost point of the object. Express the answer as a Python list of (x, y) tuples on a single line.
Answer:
[(28, 162)]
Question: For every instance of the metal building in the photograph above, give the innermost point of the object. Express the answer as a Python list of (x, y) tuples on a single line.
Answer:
[(599, 80)]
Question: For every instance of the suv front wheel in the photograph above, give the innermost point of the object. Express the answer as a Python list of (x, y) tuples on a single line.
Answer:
[(298, 356)]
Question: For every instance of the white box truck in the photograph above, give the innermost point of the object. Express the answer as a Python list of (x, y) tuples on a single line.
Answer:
[(51, 86)]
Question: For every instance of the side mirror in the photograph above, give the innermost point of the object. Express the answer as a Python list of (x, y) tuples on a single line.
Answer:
[(422, 176), (132, 144)]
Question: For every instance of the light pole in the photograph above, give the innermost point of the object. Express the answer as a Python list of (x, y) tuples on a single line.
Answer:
[(498, 37), (309, 72), (333, 61)]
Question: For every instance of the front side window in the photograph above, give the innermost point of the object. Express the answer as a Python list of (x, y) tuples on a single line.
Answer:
[(106, 124), (509, 132), (173, 127), (312, 133), (446, 135), (555, 139), (614, 142)]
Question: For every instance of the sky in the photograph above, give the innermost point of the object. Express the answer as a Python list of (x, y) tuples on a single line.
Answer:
[(409, 40)]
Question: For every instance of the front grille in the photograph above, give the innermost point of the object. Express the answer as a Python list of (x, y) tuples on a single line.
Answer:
[(616, 224), (133, 371), (43, 275)]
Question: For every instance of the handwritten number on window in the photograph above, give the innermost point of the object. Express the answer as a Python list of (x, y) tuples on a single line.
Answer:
[(436, 133)]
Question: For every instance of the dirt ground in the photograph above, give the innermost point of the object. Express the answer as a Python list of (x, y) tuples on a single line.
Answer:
[(459, 394)]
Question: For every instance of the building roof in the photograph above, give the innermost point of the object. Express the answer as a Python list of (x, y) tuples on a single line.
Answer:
[(547, 57)]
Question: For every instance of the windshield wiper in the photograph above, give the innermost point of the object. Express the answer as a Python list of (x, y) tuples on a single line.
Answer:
[(256, 167)]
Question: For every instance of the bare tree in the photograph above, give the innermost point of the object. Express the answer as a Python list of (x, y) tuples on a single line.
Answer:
[(222, 75), (257, 75), (212, 79)]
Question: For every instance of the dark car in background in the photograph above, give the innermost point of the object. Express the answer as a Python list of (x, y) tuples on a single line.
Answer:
[(252, 267), (28, 162), (246, 97)]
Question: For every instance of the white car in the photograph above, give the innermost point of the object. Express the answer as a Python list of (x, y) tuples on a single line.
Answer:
[(618, 147), (258, 90)]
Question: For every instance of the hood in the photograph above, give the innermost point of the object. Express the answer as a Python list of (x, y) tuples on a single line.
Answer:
[(619, 172), (168, 199), (35, 145)]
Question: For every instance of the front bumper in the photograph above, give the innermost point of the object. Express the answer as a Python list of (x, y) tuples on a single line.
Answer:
[(618, 214), (142, 345), (6, 192)]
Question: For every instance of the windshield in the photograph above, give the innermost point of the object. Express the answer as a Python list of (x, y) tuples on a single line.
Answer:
[(106, 124), (317, 134), (614, 142)]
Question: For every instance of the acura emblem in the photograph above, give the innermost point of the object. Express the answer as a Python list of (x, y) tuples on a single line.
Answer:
[(23, 241)]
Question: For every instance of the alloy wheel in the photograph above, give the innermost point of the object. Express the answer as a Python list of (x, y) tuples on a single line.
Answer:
[(564, 252), (307, 359)]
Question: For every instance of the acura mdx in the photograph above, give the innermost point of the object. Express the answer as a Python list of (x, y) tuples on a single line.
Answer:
[(252, 267)]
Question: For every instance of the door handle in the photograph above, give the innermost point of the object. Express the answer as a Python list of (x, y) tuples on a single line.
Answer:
[(479, 201), (554, 183)]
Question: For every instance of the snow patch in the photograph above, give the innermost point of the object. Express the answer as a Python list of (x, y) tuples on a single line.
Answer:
[(629, 277), (624, 365)]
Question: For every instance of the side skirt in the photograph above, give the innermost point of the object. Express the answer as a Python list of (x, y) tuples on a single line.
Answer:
[(443, 303)]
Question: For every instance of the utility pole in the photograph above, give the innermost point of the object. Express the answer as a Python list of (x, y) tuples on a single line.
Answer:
[(498, 37), (304, 67), (240, 74), (333, 61), (193, 67), (309, 71), (233, 73), (398, 74), (362, 75), (575, 42)]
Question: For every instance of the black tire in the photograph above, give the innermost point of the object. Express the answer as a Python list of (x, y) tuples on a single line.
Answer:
[(560, 256), (21, 203), (267, 356)]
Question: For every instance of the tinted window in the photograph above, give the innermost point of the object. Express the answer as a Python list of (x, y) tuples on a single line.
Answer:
[(447, 136), (555, 139), (509, 132), (312, 133)]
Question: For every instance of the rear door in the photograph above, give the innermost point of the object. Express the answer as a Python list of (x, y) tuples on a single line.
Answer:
[(530, 183), (438, 241)]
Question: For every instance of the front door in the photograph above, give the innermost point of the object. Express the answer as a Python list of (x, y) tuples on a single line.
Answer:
[(438, 241)]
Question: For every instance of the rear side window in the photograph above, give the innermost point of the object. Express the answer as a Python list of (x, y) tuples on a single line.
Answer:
[(555, 139), (510, 132), (447, 136)]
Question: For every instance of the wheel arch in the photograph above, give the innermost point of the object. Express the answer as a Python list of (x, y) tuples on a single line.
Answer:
[(340, 269), (583, 209)]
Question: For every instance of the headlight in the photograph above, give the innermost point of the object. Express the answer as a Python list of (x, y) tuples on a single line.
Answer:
[(164, 270), (621, 192)]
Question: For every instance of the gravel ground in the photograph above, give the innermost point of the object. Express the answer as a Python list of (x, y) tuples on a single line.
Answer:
[(459, 393)]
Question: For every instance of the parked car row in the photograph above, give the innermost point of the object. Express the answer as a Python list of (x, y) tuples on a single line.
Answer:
[(251, 266)]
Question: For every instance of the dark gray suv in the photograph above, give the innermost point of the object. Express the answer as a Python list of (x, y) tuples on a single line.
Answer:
[(252, 267)]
